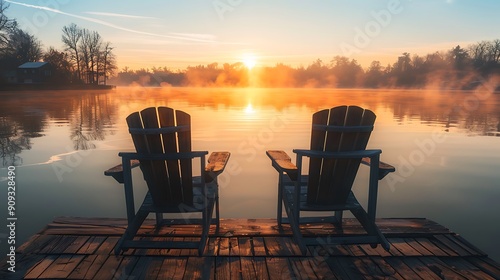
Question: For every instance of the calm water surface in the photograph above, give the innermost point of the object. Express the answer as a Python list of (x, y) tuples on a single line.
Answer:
[(444, 144)]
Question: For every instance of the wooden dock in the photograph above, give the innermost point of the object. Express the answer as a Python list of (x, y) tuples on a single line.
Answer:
[(82, 248)]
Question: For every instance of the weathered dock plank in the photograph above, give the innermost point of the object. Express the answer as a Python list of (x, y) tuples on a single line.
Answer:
[(172, 268), (421, 269), (82, 248), (91, 245), (88, 267), (37, 269), (62, 267), (486, 265), (279, 268), (402, 268)]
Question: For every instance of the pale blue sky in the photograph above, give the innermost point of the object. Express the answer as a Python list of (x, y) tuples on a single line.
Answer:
[(192, 32)]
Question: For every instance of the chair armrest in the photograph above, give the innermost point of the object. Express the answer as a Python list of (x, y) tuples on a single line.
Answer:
[(117, 171), (383, 168), (217, 162), (282, 163)]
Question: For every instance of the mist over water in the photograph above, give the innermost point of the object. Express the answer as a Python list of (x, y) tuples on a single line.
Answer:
[(444, 144)]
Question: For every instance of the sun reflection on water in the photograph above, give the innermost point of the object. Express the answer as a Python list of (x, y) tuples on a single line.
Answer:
[(249, 110)]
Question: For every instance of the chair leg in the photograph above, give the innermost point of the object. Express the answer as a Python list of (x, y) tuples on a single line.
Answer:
[(159, 219), (217, 206), (217, 215), (370, 226), (338, 219), (206, 222), (295, 225), (279, 217), (131, 230), (204, 232), (280, 212)]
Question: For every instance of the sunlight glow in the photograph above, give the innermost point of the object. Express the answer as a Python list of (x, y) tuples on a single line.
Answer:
[(249, 60), (249, 109)]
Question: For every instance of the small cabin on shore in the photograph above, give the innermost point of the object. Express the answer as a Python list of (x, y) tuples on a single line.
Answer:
[(34, 73)]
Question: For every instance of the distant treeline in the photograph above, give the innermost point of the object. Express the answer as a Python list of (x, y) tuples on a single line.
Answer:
[(86, 57), (458, 68)]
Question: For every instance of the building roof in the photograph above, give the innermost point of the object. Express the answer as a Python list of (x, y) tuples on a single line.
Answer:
[(32, 65)]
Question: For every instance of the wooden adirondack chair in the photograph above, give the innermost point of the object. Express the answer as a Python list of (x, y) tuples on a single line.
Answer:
[(338, 146), (162, 138)]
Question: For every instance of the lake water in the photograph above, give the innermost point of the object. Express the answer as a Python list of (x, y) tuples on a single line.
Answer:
[(444, 144)]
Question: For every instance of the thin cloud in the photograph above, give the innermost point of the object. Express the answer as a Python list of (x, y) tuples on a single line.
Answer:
[(118, 15), (208, 37), (105, 23)]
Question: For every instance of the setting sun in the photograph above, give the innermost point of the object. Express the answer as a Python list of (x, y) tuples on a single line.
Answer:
[(249, 60)]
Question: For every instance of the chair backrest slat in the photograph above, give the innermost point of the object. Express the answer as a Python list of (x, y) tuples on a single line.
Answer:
[(330, 180), (317, 144), (167, 120), (160, 135), (332, 143), (141, 145), (160, 181), (184, 138)]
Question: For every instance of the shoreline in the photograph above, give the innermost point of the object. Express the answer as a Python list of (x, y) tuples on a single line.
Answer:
[(30, 87)]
